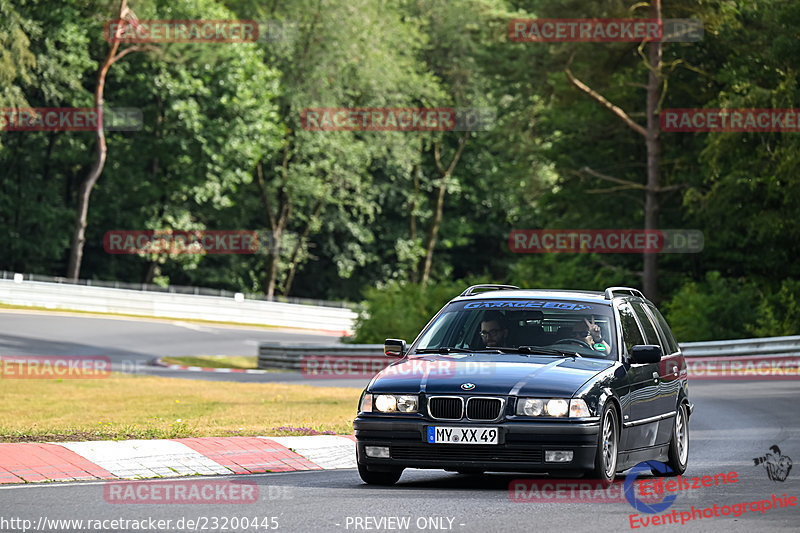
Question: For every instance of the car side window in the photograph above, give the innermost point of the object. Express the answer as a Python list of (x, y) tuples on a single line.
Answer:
[(650, 333), (631, 334), (671, 342)]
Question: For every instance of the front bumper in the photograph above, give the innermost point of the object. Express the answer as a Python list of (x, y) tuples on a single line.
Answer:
[(521, 445)]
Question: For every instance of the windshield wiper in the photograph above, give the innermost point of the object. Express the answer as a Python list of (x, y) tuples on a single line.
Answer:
[(548, 351), (444, 350)]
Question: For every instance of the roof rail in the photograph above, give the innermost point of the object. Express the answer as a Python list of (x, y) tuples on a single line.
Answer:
[(471, 290), (627, 290)]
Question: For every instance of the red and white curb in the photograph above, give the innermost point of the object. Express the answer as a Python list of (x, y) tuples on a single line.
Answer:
[(141, 459), (162, 364)]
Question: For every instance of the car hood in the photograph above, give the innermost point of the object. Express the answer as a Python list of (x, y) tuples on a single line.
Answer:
[(489, 374)]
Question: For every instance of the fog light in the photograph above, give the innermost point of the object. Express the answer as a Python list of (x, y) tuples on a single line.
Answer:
[(557, 456), (379, 451)]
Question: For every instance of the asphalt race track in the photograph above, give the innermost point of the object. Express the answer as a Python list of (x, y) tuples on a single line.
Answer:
[(132, 344), (733, 423)]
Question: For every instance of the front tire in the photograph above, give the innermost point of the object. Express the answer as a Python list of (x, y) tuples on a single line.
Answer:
[(379, 478), (679, 444), (605, 462)]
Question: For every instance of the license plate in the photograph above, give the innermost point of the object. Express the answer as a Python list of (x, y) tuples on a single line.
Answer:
[(455, 435)]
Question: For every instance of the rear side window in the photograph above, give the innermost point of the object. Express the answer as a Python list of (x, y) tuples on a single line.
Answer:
[(631, 334), (671, 342), (650, 333)]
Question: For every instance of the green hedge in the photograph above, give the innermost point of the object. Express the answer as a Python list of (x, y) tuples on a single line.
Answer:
[(715, 308), (400, 311), (719, 308)]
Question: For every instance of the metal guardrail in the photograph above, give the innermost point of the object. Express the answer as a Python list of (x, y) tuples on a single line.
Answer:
[(272, 355), (765, 346), (290, 357), (174, 289), (235, 309)]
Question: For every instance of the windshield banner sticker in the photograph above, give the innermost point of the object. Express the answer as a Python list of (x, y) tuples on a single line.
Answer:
[(527, 304)]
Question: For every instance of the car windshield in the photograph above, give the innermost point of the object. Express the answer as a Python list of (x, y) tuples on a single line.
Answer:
[(542, 326)]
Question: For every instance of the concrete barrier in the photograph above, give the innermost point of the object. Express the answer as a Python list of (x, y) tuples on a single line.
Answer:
[(66, 296), (272, 355)]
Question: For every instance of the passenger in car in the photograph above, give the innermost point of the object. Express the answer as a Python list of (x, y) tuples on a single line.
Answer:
[(590, 333)]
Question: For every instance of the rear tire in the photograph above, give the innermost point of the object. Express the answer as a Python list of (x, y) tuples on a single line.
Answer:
[(605, 462), (379, 478), (679, 444)]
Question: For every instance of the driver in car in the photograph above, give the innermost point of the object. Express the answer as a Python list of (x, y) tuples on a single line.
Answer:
[(494, 329), (590, 333)]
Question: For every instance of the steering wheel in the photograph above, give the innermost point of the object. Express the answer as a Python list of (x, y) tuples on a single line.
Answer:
[(579, 342)]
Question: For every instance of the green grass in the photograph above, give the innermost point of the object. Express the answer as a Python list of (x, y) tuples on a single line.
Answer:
[(124, 406), (215, 361)]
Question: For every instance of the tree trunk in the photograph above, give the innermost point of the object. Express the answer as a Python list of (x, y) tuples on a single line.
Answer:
[(412, 222), (287, 286), (651, 204), (277, 223), (652, 136), (85, 190), (437, 217)]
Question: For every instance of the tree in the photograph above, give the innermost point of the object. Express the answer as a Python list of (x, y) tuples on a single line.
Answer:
[(319, 176), (86, 186), (653, 144)]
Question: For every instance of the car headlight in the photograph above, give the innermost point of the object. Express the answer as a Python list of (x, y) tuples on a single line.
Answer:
[(396, 403), (555, 407), (530, 407)]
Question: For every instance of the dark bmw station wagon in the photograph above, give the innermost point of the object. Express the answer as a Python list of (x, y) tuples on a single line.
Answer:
[(507, 379)]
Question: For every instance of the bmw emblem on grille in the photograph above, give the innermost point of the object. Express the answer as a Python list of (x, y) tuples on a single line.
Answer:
[(467, 386)]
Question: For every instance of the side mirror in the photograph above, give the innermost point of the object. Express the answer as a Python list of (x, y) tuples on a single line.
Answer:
[(645, 353), (394, 347)]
